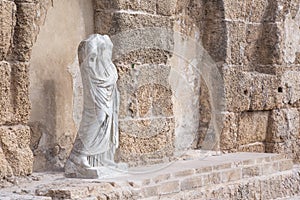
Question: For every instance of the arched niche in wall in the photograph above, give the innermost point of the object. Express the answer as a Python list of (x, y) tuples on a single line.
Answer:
[(53, 67)]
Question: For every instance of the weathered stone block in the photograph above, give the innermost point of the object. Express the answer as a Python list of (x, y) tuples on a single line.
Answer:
[(167, 7), (256, 10), (154, 143), (250, 90), (264, 44), (284, 125), (251, 171), (144, 56), (290, 88), (289, 148), (25, 31), (228, 138), (237, 91), (253, 147), (222, 166), (269, 168), (20, 92), (144, 91), (262, 90), (285, 165), (211, 178), (120, 22), (253, 127), (269, 11), (283, 135), (231, 175), (149, 191), (204, 169), (236, 37), (193, 7), (213, 10), (7, 23), (161, 178), (187, 172), (5, 93), (145, 127), (235, 10), (103, 20), (15, 142), (169, 187), (146, 6), (5, 169), (251, 51), (214, 39), (191, 183), (271, 43)]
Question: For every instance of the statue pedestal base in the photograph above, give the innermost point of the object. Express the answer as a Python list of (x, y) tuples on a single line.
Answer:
[(74, 171)]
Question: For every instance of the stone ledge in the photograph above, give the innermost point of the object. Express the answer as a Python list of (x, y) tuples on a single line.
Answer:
[(180, 180)]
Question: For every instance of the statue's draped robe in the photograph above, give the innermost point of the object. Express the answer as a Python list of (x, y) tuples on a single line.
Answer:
[(98, 132)]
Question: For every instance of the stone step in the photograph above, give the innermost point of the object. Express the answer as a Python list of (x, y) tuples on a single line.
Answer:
[(228, 176), (189, 175), (274, 186), (210, 170)]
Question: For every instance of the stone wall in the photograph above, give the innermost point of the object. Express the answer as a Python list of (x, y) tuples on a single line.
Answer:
[(167, 105), (259, 73), (20, 21), (146, 109), (54, 81), (254, 45)]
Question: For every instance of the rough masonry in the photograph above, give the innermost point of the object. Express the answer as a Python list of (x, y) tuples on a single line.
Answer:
[(254, 45)]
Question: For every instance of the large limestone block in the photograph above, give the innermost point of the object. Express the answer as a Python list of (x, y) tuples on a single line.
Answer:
[(144, 55), (253, 147), (5, 169), (25, 31), (229, 134), (167, 7), (253, 127), (264, 44), (213, 10), (113, 23), (15, 142), (250, 90), (290, 84), (235, 10), (253, 35), (5, 93), (146, 114), (146, 141), (7, 23), (256, 10), (236, 42), (144, 91), (214, 39), (136, 5), (20, 92), (284, 125), (283, 135)]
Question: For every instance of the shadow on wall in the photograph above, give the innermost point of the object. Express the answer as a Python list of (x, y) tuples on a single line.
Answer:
[(208, 16), (51, 86), (41, 131)]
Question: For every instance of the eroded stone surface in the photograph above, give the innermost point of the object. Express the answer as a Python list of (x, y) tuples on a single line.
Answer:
[(255, 47), (20, 92), (5, 93), (14, 142), (25, 31), (7, 23)]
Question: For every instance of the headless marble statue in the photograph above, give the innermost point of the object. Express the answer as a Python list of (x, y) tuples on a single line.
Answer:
[(97, 137)]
